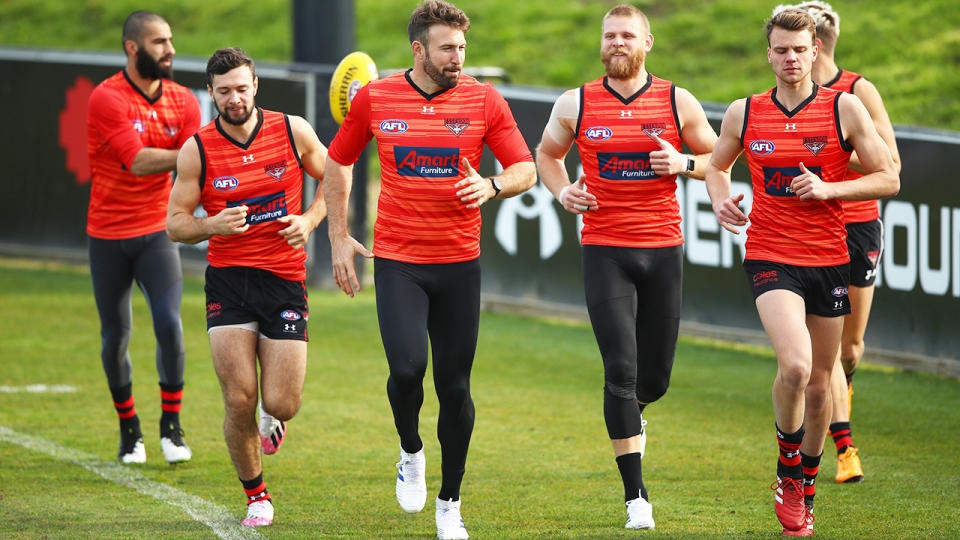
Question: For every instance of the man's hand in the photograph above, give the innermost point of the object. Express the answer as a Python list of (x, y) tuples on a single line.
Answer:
[(809, 187), (666, 161), (298, 231), (473, 188), (729, 215), (342, 251), (575, 198), (229, 221)]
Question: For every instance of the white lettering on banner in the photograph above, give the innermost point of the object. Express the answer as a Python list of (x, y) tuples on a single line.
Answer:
[(934, 282), (505, 228), (916, 226), (702, 244), (207, 110)]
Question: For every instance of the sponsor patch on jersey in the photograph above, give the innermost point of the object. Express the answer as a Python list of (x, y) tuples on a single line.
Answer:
[(625, 166), (598, 133), (427, 162), (762, 147), (264, 208), (839, 291), (814, 144), (393, 126), (456, 125), (225, 183), (776, 180), (290, 315), (653, 128), (137, 125), (276, 169)]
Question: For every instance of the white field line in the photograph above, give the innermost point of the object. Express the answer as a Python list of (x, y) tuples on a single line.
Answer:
[(218, 518), (39, 389)]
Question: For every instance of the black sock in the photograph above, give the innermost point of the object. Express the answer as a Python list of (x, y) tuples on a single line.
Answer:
[(788, 464), (811, 466), (631, 471), (850, 376), (123, 402), (255, 489), (171, 397), (842, 436)]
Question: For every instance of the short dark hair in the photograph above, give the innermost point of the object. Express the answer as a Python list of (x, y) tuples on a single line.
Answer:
[(434, 12), (793, 20), (227, 59), (134, 26)]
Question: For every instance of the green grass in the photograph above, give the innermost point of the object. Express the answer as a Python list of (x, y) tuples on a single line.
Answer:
[(714, 48), (539, 462)]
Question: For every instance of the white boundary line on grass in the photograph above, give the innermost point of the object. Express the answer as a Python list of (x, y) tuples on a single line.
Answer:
[(212, 515)]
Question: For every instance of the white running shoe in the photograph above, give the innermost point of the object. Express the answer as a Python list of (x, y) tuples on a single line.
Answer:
[(175, 450), (132, 451), (639, 514), (643, 436), (449, 523), (259, 514), (412, 481), (272, 432)]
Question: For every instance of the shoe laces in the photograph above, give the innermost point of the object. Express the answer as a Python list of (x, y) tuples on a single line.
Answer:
[(175, 434), (788, 484), (850, 452), (259, 509)]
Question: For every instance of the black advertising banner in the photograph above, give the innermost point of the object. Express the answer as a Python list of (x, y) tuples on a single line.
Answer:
[(531, 253)]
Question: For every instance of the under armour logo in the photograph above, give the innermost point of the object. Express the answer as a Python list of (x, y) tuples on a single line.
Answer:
[(789, 127), (427, 109), (626, 114), (248, 158), (289, 328)]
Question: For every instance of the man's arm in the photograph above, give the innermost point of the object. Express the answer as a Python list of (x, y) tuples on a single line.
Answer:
[(725, 152), (182, 226), (870, 97), (151, 160), (313, 156), (695, 130), (343, 247), (555, 143), (882, 179)]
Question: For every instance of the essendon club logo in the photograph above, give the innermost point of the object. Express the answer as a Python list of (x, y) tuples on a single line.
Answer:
[(276, 169), (873, 257), (654, 128), (814, 144), (456, 125), (171, 131)]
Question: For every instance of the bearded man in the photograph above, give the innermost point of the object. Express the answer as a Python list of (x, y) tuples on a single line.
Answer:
[(628, 126), (137, 121)]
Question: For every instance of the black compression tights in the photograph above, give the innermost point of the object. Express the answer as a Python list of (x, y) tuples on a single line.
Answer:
[(633, 298), (441, 301), (153, 262)]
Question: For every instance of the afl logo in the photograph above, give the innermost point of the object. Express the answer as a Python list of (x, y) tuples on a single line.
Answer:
[(761, 147), (839, 291), (598, 133), (290, 315), (393, 126), (225, 183)]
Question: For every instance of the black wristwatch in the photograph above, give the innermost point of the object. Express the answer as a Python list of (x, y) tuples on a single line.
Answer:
[(497, 186)]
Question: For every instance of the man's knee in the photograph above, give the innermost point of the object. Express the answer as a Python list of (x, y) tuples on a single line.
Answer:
[(795, 375), (650, 389), (283, 408), (239, 401)]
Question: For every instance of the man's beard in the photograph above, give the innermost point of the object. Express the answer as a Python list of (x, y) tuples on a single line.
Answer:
[(437, 76), (236, 121), (622, 69), (149, 68)]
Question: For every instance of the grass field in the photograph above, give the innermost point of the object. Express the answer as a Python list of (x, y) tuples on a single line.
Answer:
[(714, 48), (539, 465)]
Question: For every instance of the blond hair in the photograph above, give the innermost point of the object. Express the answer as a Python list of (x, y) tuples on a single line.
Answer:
[(627, 10)]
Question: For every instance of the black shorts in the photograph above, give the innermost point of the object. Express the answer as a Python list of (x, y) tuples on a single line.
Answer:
[(238, 295), (823, 288), (865, 244)]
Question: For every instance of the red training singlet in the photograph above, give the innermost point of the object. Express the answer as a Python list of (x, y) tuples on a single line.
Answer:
[(121, 121), (637, 207), (853, 211), (421, 139), (264, 174), (783, 228)]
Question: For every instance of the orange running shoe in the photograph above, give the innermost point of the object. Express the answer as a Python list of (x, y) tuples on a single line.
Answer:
[(849, 469)]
